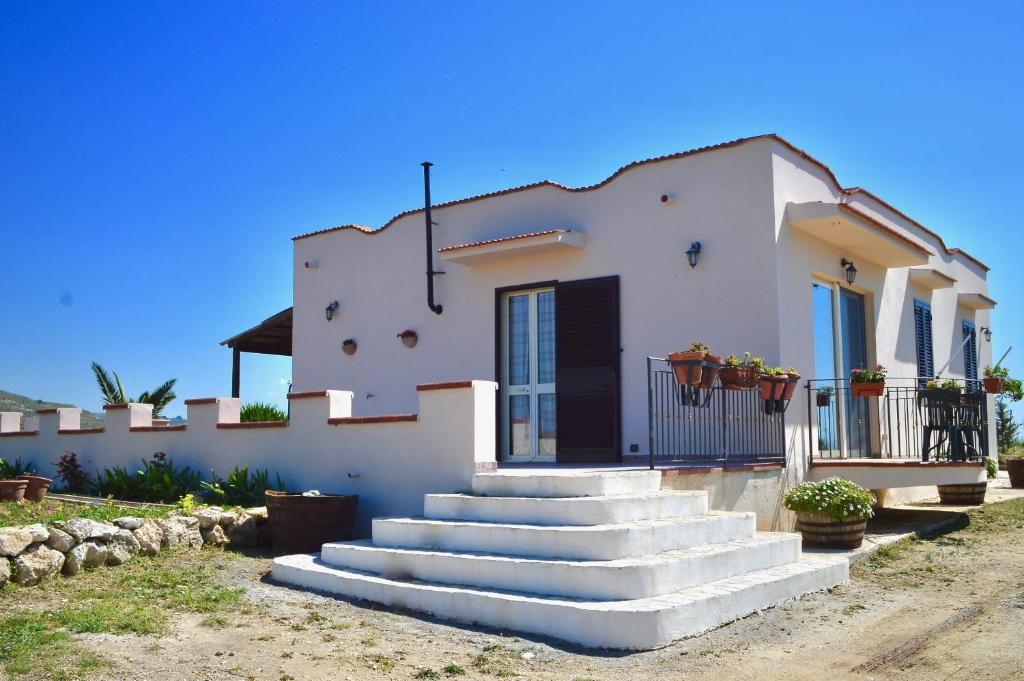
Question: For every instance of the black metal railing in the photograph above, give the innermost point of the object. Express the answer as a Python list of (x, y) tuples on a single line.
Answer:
[(723, 425), (907, 421)]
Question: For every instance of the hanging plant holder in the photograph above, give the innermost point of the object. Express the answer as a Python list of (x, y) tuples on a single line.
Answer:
[(696, 374), (409, 338), (349, 346)]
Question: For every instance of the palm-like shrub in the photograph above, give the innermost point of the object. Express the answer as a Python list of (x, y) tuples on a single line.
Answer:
[(159, 480), (261, 411), (113, 391), (12, 469), (240, 488)]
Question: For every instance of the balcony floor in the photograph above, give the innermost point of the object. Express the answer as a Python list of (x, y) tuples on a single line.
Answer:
[(890, 473)]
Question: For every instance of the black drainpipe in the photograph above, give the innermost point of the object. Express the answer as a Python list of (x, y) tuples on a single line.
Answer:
[(436, 309)]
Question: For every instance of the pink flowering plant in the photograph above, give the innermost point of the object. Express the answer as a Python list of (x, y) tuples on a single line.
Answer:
[(876, 375), (835, 497)]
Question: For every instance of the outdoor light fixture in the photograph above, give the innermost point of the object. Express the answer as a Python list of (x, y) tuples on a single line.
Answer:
[(693, 253), (330, 310), (988, 333), (851, 271)]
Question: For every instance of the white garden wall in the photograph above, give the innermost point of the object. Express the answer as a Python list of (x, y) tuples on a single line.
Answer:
[(389, 461)]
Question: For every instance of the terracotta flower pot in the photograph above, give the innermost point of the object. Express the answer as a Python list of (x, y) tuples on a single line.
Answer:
[(710, 374), (686, 367), (970, 494), (868, 389), (734, 377), (13, 490), (993, 385), (792, 380), (1015, 467), (37, 487), (771, 387), (818, 529)]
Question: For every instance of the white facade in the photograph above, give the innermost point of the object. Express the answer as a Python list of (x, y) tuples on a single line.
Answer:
[(747, 202)]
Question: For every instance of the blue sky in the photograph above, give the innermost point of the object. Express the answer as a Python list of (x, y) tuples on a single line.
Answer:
[(156, 158)]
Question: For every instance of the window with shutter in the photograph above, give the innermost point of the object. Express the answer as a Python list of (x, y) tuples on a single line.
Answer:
[(923, 339), (970, 351)]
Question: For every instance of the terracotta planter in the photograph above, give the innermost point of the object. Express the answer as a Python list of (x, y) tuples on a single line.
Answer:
[(13, 490), (818, 529), (867, 389), (823, 400), (710, 373), (734, 378), (37, 487), (971, 494), (792, 380), (993, 386), (686, 367), (771, 387), (1015, 467)]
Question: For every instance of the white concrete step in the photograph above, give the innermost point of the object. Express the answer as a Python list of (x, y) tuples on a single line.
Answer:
[(623, 579), (565, 510), (570, 482), (565, 542), (640, 624)]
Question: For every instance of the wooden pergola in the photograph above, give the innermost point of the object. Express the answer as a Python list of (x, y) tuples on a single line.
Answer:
[(272, 336)]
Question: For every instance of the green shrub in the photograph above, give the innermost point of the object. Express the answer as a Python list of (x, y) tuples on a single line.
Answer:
[(992, 468), (240, 488), (159, 481), (261, 411), (12, 469), (835, 497), (71, 473)]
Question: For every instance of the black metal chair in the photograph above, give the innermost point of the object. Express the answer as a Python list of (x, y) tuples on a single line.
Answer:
[(937, 420), (968, 414)]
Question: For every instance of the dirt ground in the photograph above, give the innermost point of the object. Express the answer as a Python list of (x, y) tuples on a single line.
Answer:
[(946, 608)]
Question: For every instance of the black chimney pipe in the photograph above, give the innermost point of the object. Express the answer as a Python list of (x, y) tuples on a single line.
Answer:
[(436, 309)]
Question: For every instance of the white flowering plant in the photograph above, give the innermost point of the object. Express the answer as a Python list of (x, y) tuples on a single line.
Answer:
[(835, 497)]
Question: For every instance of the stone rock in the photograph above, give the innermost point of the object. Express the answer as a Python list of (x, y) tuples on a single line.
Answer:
[(244, 532), (214, 536), (90, 553), (227, 518), (5, 570), (123, 546), (180, 531), (82, 529), (129, 522), (59, 540), (14, 540), (39, 532), (37, 563), (259, 514), (150, 538), (207, 517)]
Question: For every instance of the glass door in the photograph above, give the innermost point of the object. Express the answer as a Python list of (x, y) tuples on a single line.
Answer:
[(854, 355), (528, 376)]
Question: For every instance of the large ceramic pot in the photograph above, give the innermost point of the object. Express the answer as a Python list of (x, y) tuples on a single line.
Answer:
[(37, 487), (13, 490), (970, 494), (868, 389), (301, 524), (818, 529), (1015, 467)]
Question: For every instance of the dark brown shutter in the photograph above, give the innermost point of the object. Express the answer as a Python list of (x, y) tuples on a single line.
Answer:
[(587, 370)]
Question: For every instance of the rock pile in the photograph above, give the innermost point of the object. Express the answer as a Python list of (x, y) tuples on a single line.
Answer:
[(34, 552)]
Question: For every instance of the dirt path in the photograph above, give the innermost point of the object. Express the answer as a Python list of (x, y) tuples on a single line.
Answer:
[(949, 608)]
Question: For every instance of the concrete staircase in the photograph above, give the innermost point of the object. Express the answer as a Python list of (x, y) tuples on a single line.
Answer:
[(602, 559)]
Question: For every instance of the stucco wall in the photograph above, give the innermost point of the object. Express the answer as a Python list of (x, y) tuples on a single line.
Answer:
[(390, 465)]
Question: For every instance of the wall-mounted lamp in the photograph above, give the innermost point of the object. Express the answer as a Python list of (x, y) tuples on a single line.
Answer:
[(330, 310), (851, 271), (988, 333), (693, 254)]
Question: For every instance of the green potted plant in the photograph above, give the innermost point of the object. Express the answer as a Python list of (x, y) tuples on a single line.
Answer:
[(868, 382), (12, 488), (824, 396), (994, 377), (832, 513), (740, 373), (772, 383), (696, 366)]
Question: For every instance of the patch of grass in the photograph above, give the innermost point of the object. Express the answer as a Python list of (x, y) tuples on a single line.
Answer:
[(452, 669), (380, 663), (31, 645), (52, 510), (427, 674), (369, 641), (109, 616), (852, 608), (495, 660)]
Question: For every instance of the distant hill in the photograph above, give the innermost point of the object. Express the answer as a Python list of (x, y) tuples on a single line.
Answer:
[(28, 406)]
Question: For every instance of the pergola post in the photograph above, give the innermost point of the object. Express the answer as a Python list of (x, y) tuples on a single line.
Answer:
[(236, 356)]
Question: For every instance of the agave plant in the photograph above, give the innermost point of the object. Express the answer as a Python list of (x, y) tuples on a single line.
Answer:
[(113, 391), (159, 480), (12, 469), (241, 488), (261, 411)]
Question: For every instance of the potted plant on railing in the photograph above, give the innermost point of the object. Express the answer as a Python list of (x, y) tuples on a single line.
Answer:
[(772, 383), (824, 396), (792, 379), (740, 373), (994, 377), (832, 513), (868, 382), (696, 366), (943, 392)]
